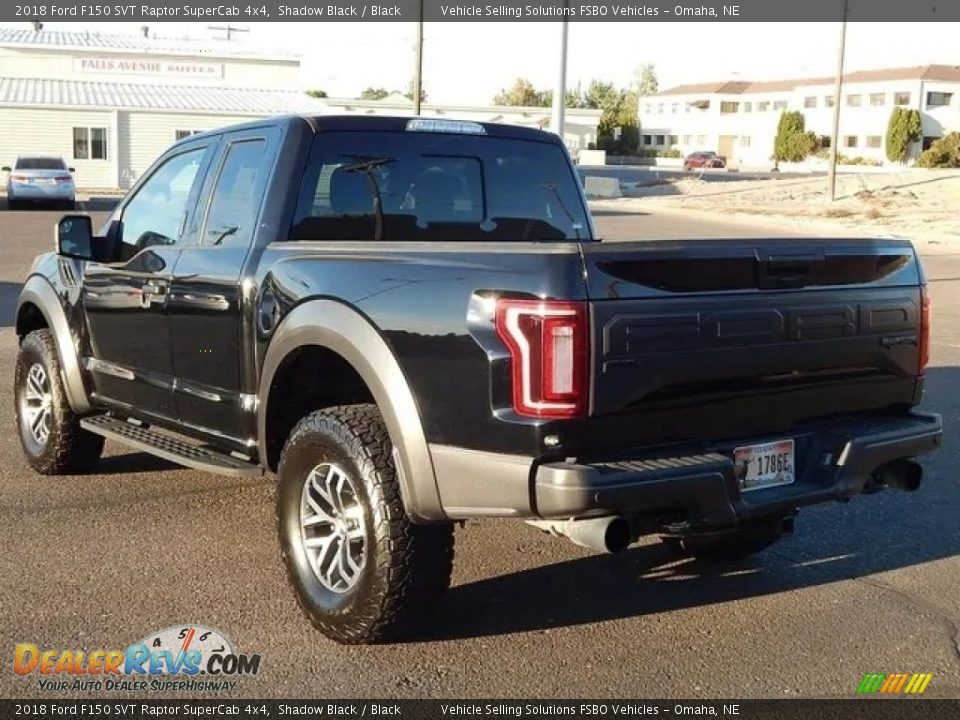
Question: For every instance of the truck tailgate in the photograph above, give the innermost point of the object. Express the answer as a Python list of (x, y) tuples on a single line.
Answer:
[(708, 339)]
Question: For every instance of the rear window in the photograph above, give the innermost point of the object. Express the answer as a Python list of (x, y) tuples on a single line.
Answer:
[(434, 186), (40, 164)]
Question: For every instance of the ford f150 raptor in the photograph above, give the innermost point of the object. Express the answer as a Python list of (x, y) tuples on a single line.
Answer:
[(412, 322)]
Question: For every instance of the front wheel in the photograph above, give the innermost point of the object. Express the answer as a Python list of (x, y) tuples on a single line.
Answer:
[(362, 571), (50, 432)]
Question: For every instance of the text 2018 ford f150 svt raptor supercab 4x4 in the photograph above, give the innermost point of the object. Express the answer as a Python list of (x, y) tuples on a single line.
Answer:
[(412, 322)]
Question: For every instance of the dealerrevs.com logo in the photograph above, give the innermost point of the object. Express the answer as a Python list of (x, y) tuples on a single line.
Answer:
[(189, 658)]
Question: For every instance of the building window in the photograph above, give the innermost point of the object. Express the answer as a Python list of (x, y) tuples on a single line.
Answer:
[(853, 100), (810, 102), (701, 140), (661, 139), (874, 141), (728, 107), (929, 140), (648, 108), (674, 139), (828, 101), (660, 109), (674, 108), (763, 106), (825, 141), (938, 99), (648, 139), (181, 134), (748, 107), (877, 99), (780, 105), (744, 141), (89, 143), (901, 98), (686, 139), (850, 141)]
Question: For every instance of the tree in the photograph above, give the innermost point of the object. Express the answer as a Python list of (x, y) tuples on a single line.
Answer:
[(645, 80), (903, 129), (943, 153), (523, 94), (409, 93), (317, 93), (792, 143), (372, 93)]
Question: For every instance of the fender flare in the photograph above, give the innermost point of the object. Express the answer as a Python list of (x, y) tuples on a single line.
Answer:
[(343, 330), (39, 292)]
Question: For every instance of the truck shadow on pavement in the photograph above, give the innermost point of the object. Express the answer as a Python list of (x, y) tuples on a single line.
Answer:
[(9, 293), (832, 543)]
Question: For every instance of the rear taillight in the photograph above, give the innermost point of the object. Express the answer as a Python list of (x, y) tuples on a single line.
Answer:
[(64, 178), (924, 330), (547, 340), (20, 178)]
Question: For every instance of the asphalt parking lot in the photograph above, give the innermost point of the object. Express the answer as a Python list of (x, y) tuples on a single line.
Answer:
[(99, 561)]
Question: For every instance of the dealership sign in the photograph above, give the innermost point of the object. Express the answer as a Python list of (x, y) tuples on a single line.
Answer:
[(147, 66)]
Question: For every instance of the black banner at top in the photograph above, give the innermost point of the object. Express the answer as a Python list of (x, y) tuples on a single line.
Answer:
[(135, 709), (640, 11)]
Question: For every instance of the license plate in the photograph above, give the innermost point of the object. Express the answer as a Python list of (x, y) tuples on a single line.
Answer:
[(45, 181), (766, 465)]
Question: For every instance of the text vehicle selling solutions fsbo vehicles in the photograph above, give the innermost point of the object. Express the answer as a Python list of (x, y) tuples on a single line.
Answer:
[(412, 322)]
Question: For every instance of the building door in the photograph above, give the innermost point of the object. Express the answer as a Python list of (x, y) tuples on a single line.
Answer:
[(207, 306), (125, 301), (727, 146)]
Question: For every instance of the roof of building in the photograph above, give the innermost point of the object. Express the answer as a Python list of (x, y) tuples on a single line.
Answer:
[(92, 41), (920, 72), (181, 98)]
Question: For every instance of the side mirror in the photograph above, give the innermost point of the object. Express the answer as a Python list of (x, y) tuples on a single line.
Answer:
[(5, 168), (72, 169), (75, 237)]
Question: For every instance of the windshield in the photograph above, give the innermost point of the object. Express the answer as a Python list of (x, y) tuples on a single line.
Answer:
[(40, 163), (432, 186)]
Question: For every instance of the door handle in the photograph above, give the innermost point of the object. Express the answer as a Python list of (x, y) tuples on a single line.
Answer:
[(154, 291)]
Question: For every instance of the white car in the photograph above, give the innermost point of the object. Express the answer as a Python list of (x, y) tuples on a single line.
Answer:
[(40, 179)]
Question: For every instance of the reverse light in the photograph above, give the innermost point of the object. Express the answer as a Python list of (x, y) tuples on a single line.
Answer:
[(547, 340), (925, 318)]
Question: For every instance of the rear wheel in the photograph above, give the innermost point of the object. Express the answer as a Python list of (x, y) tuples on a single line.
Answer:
[(725, 546), (50, 432), (362, 571)]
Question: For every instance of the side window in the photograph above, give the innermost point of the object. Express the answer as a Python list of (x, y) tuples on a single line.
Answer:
[(237, 195), (154, 216)]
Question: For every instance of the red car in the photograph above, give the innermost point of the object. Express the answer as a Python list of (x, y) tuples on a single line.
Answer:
[(704, 159)]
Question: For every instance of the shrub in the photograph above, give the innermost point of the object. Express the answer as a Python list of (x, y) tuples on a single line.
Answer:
[(944, 153), (903, 129), (793, 143)]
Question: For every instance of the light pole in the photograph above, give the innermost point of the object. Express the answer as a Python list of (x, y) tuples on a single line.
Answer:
[(418, 73), (837, 87), (560, 90)]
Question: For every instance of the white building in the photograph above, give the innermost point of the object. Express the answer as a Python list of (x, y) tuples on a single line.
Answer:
[(739, 119), (110, 104)]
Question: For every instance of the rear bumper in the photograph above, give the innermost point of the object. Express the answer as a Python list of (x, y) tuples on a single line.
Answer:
[(41, 193), (834, 462)]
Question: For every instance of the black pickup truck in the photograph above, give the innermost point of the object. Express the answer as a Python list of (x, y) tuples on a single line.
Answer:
[(413, 322)]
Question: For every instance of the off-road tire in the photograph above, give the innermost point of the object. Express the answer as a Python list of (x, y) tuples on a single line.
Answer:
[(68, 449), (748, 539), (407, 566)]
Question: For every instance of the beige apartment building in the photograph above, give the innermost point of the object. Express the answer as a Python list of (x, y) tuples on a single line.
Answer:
[(738, 119)]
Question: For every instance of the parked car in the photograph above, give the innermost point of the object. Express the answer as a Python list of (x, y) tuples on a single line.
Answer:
[(40, 179), (412, 322), (704, 159)]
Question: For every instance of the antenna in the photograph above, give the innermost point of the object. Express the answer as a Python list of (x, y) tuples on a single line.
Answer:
[(145, 30), (228, 30), (37, 26)]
